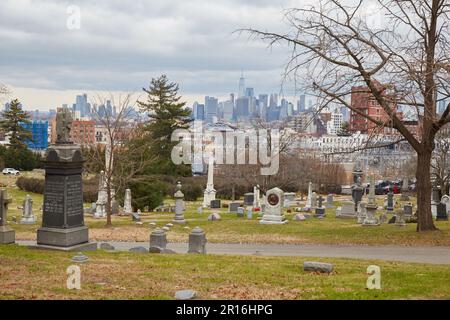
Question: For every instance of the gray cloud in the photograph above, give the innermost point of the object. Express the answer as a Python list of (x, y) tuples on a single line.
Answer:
[(122, 44)]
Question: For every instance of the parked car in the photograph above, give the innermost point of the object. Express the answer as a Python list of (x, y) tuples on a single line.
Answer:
[(11, 171)]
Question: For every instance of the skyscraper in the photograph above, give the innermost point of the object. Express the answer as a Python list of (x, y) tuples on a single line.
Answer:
[(249, 92), (242, 108), (273, 100), (301, 104), (241, 92), (211, 108)]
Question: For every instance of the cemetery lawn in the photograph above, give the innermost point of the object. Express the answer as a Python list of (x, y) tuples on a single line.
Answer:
[(232, 229), (36, 274)]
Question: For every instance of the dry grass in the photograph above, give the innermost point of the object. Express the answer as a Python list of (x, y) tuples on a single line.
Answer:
[(35, 274)]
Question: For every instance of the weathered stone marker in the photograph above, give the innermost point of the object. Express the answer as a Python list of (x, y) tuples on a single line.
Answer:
[(7, 235), (197, 241), (27, 213), (317, 267), (63, 220), (179, 203), (158, 240)]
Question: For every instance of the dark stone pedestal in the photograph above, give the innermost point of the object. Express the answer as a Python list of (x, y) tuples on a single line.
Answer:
[(7, 235), (63, 215)]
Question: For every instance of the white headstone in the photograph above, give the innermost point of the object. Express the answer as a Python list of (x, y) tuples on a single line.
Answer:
[(100, 208), (210, 192), (256, 200), (127, 208), (27, 214), (273, 212), (309, 203)]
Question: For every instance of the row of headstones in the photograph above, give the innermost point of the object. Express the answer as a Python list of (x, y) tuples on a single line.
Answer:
[(197, 241)]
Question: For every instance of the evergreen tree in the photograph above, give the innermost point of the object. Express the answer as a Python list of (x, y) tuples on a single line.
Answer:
[(11, 124), (167, 113)]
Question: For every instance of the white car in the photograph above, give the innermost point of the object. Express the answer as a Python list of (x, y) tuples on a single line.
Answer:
[(11, 171)]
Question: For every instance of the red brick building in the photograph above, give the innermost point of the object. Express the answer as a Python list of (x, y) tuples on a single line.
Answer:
[(83, 132), (363, 100)]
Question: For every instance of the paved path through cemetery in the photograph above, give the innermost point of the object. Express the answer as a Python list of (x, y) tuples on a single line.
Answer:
[(433, 255)]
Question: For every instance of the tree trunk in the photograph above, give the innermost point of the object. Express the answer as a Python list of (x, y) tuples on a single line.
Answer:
[(233, 192), (424, 217)]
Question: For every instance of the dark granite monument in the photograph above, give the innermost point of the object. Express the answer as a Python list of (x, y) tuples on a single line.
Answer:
[(63, 220), (7, 235)]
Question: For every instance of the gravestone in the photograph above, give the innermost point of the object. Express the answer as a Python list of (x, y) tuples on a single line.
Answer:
[(289, 198), (158, 240), (400, 218), (240, 212), (357, 192), (329, 204), (214, 217), (346, 210), (27, 213), (102, 198), (320, 209), (273, 213), (115, 208), (313, 200), (7, 235), (127, 207), (63, 217), (256, 197), (197, 241), (408, 211), (215, 204), (320, 267), (390, 201), (249, 213), (441, 212), (371, 206), (309, 200), (404, 196), (446, 200), (210, 193), (233, 207), (179, 200), (299, 217), (136, 216), (248, 199), (361, 213)]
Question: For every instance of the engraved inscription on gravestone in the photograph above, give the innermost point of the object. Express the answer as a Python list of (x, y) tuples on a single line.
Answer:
[(53, 202), (74, 201)]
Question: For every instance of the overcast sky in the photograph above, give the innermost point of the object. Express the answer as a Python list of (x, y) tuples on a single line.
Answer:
[(121, 45)]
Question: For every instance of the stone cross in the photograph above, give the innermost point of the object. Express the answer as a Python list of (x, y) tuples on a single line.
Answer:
[(63, 125)]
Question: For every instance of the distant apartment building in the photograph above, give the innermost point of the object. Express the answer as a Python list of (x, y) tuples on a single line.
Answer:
[(39, 134), (335, 124), (363, 100)]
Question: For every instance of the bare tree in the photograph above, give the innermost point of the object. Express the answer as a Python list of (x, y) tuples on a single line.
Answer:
[(403, 61), (123, 155)]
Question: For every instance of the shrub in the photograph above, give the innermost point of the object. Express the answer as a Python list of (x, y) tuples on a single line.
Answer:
[(36, 185), (147, 193), (192, 192)]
